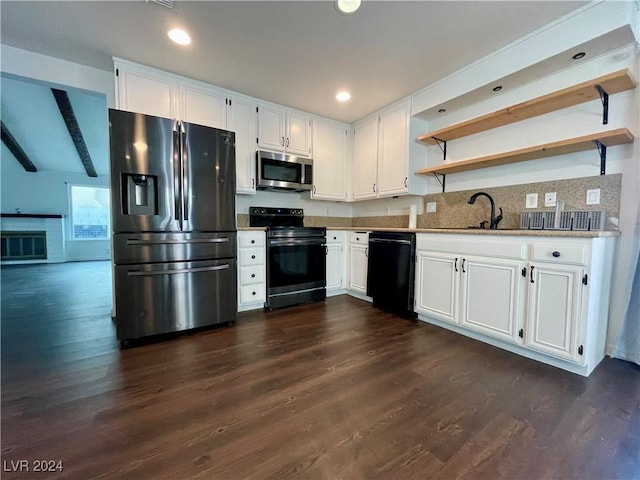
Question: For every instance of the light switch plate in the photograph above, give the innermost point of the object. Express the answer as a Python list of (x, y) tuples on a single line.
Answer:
[(431, 207), (532, 200), (550, 199), (593, 196)]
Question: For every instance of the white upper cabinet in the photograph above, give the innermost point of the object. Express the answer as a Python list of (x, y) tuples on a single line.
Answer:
[(386, 155), (153, 92), (143, 90), (204, 105), (284, 131), (329, 161), (365, 161), (243, 123)]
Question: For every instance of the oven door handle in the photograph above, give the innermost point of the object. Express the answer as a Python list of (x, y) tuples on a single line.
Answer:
[(289, 242)]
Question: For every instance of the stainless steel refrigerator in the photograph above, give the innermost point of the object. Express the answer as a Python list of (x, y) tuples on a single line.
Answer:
[(174, 224)]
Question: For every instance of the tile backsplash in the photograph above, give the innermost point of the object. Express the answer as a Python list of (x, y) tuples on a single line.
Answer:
[(452, 209)]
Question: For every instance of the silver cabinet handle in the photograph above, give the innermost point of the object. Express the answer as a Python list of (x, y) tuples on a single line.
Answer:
[(463, 270), (177, 242), (287, 142), (137, 273), (406, 179), (374, 187), (282, 141), (455, 264)]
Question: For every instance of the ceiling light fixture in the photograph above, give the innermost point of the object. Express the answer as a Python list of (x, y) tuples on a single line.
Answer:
[(343, 96), (578, 55), (179, 36), (347, 7), (498, 88)]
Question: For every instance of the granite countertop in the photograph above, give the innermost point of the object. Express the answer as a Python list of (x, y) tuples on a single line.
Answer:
[(477, 231)]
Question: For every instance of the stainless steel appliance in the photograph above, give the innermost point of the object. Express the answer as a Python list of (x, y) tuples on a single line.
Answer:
[(391, 270), (174, 226), (283, 172), (296, 257)]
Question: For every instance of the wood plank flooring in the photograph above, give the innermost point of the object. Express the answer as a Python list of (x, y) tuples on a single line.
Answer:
[(335, 390)]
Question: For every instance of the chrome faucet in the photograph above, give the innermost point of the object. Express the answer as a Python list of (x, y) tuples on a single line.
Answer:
[(493, 224)]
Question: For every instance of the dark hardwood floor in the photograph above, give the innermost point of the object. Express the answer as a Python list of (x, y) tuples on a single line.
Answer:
[(329, 390)]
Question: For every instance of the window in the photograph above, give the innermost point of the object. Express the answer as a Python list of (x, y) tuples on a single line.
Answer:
[(90, 218)]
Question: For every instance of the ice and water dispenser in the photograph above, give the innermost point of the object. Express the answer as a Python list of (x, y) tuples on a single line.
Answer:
[(140, 194)]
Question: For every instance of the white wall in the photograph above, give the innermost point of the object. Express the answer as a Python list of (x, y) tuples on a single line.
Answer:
[(48, 192)]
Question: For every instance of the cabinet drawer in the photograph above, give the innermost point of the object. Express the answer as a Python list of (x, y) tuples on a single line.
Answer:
[(558, 253), (251, 256), (334, 236), (359, 237), (251, 275), (251, 239), (252, 293)]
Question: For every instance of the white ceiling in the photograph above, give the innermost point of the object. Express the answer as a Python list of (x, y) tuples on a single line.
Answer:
[(31, 114), (295, 53)]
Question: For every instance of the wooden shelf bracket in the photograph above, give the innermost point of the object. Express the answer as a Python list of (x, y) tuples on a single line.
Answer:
[(443, 146), (604, 97), (441, 182), (602, 150)]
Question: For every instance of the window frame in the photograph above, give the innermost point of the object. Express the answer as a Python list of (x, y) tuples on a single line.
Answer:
[(71, 228)]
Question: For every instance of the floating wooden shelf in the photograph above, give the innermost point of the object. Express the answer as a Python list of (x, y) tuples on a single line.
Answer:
[(609, 84), (577, 144)]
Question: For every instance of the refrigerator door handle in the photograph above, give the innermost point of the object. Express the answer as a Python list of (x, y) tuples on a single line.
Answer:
[(137, 273), (174, 241), (186, 192), (177, 194)]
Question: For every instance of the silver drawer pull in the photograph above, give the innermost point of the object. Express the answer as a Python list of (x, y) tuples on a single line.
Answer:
[(137, 273), (174, 241)]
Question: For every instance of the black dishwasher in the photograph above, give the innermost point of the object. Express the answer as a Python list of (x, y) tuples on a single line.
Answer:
[(391, 270)]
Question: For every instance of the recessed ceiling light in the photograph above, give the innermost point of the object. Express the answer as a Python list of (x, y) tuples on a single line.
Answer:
[(343, 96), (498, 88), (347, 7), (179, 36), (442, 110), (578, 55)]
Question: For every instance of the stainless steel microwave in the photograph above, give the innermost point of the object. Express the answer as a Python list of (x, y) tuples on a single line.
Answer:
[(283, 172)]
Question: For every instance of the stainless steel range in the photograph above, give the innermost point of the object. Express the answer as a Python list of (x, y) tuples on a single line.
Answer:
[(296, 256)]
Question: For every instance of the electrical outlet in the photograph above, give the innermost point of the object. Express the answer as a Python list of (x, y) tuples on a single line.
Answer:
[(532, 200), (593, 196), (550, 199), (431, 207)]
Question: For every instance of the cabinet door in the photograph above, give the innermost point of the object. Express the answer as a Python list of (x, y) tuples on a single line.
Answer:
[(393, 151), (271, 128), (147, 92), (204, 106), (358, 268), (329, 162), (365, 160), (335, 266), (490, 297), (554, 308), (243, 123), (298, 139), (437, 282)]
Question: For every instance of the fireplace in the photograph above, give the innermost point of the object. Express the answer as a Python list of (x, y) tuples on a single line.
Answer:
[(24, 245)]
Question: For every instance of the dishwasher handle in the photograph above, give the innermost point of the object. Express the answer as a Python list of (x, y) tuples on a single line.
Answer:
[(389, 240)]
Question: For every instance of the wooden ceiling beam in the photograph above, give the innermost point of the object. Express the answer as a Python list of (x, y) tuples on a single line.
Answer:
[(15, 148), (66, 110)]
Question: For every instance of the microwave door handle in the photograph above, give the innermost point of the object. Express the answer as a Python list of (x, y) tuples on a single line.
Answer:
[(186, 192), (175, 157)]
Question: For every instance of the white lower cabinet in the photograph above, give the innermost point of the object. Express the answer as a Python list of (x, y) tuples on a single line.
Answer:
[(544, 298), (555, 294), (336, 262), (491, 296), (358, 262), (252, 278)]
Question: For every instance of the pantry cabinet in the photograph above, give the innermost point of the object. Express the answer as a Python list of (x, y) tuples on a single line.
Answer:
[(545, 298), (329, 161), (386, 154), (243, 123), (283, 130)]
